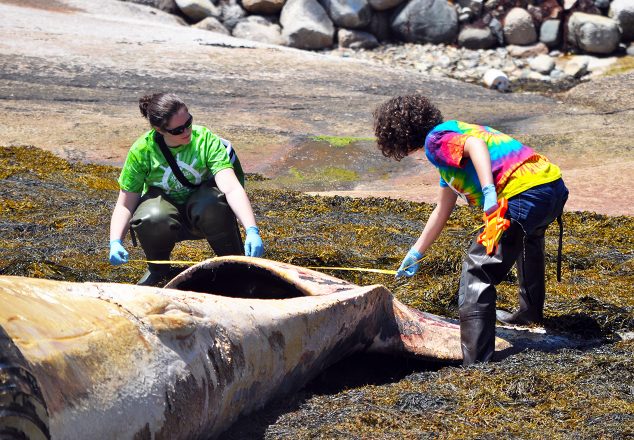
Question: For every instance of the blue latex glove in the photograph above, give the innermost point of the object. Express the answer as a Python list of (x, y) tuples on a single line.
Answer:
[(253, 246), (118, 254), (490, 198), (409, 266)]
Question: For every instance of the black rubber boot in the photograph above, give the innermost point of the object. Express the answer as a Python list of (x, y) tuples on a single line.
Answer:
[(531, 273), (155, 275), (477, 338), (477, 294), (229, 243)]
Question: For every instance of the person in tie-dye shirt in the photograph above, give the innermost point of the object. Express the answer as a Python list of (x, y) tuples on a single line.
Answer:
[(481, 165)]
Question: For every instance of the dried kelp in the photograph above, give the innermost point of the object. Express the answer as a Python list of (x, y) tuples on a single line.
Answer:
[(54, 218)]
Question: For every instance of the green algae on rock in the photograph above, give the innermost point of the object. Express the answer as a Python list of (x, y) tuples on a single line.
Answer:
[(340, 141)]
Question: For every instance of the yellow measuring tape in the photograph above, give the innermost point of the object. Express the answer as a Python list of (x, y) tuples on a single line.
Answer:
[(177, 262), (356, 269)]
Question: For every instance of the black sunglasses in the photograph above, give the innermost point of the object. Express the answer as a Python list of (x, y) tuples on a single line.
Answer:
[(181, 128)]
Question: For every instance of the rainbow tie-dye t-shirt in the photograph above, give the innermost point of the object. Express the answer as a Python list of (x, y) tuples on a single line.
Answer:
[(515, 166)]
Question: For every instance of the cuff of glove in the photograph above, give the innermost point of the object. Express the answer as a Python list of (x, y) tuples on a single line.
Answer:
[(116, 240), (414, 253), (488, 190), (490, 198), (253, 230)]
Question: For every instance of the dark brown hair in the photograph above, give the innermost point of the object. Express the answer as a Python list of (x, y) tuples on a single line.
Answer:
[(158, 108), (402, 123)]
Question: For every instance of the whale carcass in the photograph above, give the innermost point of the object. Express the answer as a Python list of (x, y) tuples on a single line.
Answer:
[(117, 361)]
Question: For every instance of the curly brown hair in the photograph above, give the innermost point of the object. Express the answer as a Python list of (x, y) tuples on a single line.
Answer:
[(402, 123)]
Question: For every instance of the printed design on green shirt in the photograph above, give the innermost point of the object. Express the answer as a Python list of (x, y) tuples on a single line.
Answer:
[(169, 182)]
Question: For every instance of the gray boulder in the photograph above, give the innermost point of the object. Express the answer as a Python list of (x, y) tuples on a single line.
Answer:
[(382, 5), (549, 33), (258, 28), (593, 33), (622, 11), (266, 7), (354, 39), (306, 25), (351, 14), (163, 5), (380, 25), (519, 28), (231, 12), (212, 24), (476, 38), (426, 21), (497, 30), (197, 10)]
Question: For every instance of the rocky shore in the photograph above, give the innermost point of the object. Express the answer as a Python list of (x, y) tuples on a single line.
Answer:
[(588, 26), (71, 80), (71, 75), (543, 45), (526, 68)]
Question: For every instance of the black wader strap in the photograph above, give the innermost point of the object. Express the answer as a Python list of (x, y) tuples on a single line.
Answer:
[(561, 236), (133, 237), (169, 157)]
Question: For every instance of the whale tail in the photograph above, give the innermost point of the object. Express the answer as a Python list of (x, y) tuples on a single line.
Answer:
[(432, 337)]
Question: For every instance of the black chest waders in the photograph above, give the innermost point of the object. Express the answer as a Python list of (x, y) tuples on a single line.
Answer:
[(159, 223), (482, 272)]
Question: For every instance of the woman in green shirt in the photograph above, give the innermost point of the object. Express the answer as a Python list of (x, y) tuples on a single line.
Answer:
[(162, 206)]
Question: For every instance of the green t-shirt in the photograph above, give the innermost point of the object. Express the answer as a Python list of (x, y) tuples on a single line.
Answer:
[(200, 159)]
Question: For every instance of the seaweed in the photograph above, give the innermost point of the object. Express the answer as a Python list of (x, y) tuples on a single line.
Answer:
[(54, 224)]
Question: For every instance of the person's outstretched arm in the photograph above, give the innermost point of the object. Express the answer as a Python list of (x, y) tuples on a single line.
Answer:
[(238, 200), (434, 226), (437, 220), (119, 223), (476, 149), (229, 184)]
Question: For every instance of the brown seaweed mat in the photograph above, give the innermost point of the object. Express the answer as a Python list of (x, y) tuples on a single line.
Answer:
[(54, 219)]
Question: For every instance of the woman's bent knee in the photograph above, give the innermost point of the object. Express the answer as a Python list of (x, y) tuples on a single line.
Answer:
[(155, 219), (209, 213)]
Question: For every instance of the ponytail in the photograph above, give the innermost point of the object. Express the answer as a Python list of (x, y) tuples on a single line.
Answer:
[(144, 102), (158, 108)]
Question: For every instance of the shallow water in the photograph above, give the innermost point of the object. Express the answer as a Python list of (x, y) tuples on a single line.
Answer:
[(317, 165)]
